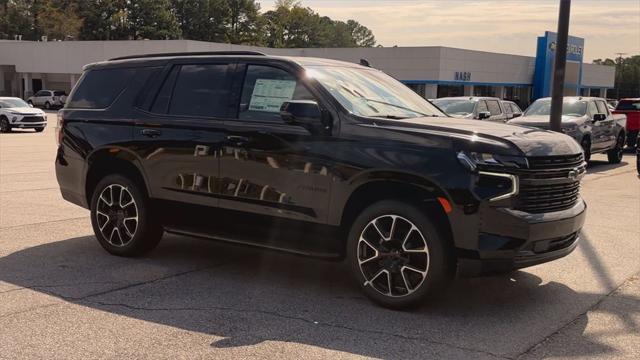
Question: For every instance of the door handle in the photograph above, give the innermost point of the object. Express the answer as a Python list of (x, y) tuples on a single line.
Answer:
[(237, 140), (151, 132)]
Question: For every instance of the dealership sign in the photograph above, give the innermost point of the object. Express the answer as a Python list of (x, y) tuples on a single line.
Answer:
[(545, 56), (462, 76)]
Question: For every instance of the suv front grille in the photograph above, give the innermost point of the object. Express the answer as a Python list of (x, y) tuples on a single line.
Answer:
[(555, 162), (548, 198), (32, 119)]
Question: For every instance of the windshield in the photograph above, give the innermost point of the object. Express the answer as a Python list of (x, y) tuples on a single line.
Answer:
[(455, 106), (372, 93), (570, 107), (13, 103)]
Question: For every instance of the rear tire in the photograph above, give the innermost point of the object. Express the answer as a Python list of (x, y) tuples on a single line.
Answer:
[(632, 139), (5, 127), (122, 218), (398, 257), (615, 155)]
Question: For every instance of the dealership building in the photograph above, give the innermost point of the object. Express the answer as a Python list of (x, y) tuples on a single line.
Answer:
[(431, 71)]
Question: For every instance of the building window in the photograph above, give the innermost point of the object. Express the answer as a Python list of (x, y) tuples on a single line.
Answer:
[(417, 88), (450, 90), (484, 90)]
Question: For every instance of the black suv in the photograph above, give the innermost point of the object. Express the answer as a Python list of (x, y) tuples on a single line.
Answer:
[(315, 157)]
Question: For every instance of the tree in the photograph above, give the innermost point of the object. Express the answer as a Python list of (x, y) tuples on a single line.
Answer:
[(362, 36), (627, 81), (204, 20), (58, 21), (245, 23), (151, 19)]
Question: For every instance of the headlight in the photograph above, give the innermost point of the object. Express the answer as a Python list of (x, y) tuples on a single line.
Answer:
[(474, 160)]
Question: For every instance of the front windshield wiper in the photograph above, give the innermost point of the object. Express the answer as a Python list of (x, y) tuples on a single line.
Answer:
[(396, 106)]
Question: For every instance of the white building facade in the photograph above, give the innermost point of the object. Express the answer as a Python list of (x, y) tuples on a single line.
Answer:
[(431, 71)]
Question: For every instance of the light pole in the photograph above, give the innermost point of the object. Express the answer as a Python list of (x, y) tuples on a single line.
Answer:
[(560, 65), (618, 66)]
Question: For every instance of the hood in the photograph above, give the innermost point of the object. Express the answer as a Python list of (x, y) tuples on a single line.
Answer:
[(480, 135), (25, 110), (539, 121)]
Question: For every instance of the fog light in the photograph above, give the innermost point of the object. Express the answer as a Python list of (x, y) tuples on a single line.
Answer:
[(13, 119)]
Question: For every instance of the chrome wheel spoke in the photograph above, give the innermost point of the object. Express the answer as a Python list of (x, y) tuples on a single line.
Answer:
[(391, 255), (117, 220)]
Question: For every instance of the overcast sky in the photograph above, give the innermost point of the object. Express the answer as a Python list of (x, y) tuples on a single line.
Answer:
[(510, 26)]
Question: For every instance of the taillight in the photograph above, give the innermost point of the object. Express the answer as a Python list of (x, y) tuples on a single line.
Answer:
[(59, 127)]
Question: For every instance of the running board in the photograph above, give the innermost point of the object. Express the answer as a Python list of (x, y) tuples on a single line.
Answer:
[(247, 242)]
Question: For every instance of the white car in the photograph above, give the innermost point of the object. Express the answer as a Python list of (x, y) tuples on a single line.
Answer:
[(16, 113), (48, 99)]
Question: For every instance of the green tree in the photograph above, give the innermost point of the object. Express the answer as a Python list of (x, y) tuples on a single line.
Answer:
[(151, 19), (102, 19), (362, 36), (16, 19), (627, 80), (58, 20), (204, 20), (245, 22)]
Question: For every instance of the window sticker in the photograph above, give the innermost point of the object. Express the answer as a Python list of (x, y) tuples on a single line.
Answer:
[(268, 94)]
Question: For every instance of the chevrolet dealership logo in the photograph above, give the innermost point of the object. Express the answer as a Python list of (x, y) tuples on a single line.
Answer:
[(572, 49)]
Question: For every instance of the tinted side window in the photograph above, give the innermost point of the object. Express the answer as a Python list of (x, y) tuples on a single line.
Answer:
[(161, 104), (515, 109), (592, 108), (99, 88), (264, 90), (494, 107), (482, 106), (602, 107), (200, 90)]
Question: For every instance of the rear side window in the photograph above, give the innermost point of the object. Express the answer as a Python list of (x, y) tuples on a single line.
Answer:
[(602, 107), (482, 106), (507, 108), (59, 93), (200, 90), (494, 107), (99, 88)]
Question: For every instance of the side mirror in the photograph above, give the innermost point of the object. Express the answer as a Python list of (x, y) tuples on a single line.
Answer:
[(30, 104), (599, 117), (484, 115), (305, 113)]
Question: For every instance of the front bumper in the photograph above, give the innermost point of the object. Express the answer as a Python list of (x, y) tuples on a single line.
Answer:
[(510, 239), (28, 125)]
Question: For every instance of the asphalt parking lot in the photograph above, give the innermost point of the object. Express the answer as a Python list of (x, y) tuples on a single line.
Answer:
[(62, 296)]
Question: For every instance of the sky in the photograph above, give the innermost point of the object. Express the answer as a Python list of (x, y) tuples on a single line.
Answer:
[(509, 26)]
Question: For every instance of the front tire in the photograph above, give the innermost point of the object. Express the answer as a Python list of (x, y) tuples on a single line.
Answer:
[(615, 155), (398, 256), (47, 105), (122, 219), (5, 127)]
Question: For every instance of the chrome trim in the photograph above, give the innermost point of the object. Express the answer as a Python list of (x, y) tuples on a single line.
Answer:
[(515, 184)]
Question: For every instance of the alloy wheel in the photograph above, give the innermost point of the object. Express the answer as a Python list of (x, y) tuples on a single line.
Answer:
[(393, 256), (117, 215), (4, 125)]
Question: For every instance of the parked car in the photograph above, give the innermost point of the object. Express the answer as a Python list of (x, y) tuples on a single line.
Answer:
[(511, 109), (630, 108), (612, 103), (48, 99), (638, 155), (587, 120), (15, 113), (472, 107), (315, 157)]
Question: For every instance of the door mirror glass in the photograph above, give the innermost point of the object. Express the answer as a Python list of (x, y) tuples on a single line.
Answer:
[(599, 117), (305, 113), (484, 115)]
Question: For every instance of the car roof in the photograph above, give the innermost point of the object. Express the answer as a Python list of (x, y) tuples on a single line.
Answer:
[(163, 58), (576, 98), (470, 98), (9, 98)]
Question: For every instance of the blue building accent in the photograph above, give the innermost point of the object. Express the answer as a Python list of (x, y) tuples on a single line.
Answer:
[(545, 55)]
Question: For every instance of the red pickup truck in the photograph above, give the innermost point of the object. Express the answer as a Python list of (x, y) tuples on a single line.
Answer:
[(631, 108)]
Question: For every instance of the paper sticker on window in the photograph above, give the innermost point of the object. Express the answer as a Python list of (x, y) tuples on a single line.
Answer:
[(268, 95)]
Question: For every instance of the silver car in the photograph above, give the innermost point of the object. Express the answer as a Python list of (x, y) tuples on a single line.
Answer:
[(586, 119), (48, 99)]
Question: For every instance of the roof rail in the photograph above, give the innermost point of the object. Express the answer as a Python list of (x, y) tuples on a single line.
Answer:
[(201, 53)]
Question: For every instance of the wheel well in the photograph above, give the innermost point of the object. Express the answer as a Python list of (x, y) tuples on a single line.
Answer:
[(104, 164), (373, 192)]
